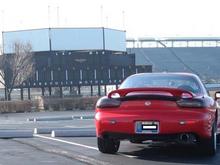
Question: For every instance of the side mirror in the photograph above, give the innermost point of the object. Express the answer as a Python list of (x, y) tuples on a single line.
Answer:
[(217, 95)]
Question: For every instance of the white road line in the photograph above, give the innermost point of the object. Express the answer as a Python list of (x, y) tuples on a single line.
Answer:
[(64, 141), (128, 156), (78, 144)]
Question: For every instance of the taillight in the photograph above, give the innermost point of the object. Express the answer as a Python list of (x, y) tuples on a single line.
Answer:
[(186, 95), (106, 102), (191, 103)]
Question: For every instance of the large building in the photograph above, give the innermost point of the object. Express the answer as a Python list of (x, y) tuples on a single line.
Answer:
[(98, 57), (76, 57), (198, 55)]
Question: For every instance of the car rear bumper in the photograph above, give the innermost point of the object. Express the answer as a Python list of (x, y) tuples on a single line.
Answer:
[(141, 137), (186, 138), (170, 127)]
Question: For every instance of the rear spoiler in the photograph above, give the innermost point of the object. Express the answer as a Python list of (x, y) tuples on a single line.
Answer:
[(174, 91)]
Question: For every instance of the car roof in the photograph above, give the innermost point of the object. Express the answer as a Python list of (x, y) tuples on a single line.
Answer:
[(184, 74)]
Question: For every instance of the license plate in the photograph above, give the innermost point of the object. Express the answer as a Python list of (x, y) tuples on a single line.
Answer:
[(147, 127)]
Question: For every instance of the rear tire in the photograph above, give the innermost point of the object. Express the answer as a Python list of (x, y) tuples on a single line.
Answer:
[(210, 146), (218, 139), (109, 146)]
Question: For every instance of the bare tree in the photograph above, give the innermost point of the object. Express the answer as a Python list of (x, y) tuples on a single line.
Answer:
[(17, 67)]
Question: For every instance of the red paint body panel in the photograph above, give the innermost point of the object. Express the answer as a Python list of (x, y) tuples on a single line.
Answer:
[(122, 119), (196, 122)]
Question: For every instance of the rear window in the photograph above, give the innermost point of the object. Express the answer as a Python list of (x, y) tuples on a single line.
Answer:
[(188, 83)]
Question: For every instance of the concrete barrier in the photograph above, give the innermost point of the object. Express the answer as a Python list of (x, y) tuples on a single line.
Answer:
[(74, 133), (49, 130), (50, 118), (60, 118), (16, 134), (83, 117)]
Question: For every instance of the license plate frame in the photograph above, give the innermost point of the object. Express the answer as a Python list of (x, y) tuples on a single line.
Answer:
[(147, 127)]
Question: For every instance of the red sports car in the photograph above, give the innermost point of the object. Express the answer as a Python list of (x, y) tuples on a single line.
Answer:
[(170, 107)]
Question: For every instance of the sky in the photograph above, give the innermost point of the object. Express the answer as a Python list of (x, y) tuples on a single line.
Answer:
[(140, 18)]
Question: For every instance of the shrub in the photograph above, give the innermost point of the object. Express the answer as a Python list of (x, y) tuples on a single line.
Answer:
[(71, 103), (49, 103), (15, 106)]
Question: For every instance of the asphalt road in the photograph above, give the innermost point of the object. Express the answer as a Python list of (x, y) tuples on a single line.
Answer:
[(44, 150)]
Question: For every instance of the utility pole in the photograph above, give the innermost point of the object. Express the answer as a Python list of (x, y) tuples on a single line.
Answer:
[(58, 16), (101, 16), (48, 16), (123, 20)]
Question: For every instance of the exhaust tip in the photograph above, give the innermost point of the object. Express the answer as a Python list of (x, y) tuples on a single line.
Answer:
[(184, 137), (187, 138)]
